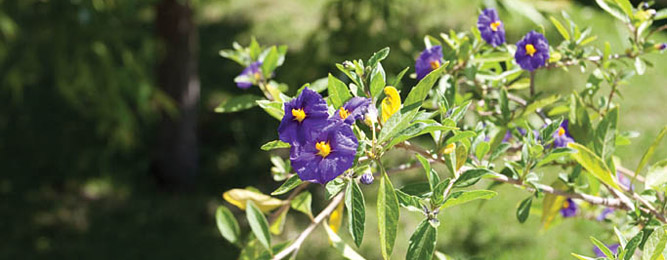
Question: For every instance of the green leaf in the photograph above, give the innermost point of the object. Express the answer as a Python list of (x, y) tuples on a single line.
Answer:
[(593, 164), (356, 208), (523, 211), (417, 128), (278, 223), (626, 6), (555, 154), (396, 123), (504, 106), (613, 9), (552, 204), (258, 224), (334, 187), (461, 197), (431, 174), (400, 75), (378, 57), (338, 92), (227, 224), (410, 202), (657, 175), (302, 203), (471, 177), (388, 213), (655, 244), (651, 149), (605, 137), (377, 81), (561, 29), (640, 66), (581, 257), (660, 14), (437, 198), (238, 103), (288, 185), (631, 246), (273, 108), (275, 144), (346, 251), (270, 62), (532, 107), (481, 150), (602, 248), (422, 242), (420, 91)]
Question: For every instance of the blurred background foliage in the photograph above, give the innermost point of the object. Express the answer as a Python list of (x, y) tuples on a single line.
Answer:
[(79, 108)]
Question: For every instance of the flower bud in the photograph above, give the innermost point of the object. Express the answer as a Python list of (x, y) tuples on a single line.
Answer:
[(367, 178)]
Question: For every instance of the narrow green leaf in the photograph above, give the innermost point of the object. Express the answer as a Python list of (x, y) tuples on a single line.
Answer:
[(631, 246), (656, 175), (273, 108), (626, 6), (334, 187), (396, 123), (420, 91), (288, 185), (651, 149), (481, 150), (378, 81), (605, 138), (660, 14), (346, 251), (655, 244), (275, 144), (378, 57), (437, 198), (461, 197), (581, 257), (417, 128), (270, 62), (238, 103), (523, 211), (471, 177), (613, 9), (399, 77), (422, 242), (388, 214), (409, 202), (356, 208), (278, 224), (258, 224), (561, 29), (431, 174), (605, 250), (302, 203), (504, 106), (338, 92), (227, 224), (593, 164)]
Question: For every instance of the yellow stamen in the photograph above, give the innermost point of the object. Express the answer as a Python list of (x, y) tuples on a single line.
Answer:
[(435, 64), (391, 103), (561, 131), (494, 26), (323, 148), (449, 148), (566, 204), (530, 49), (343, 113), (298, 114), (258, 76)]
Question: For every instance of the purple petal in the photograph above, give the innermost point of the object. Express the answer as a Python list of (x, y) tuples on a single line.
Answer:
[(423, 65)]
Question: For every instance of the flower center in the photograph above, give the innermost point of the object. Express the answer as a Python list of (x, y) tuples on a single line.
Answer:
[(343, 113), (566, 204), (323, 148), (561, 131), (530, 49), (299, 114), (258, 76), (494, 26), (435, 64)]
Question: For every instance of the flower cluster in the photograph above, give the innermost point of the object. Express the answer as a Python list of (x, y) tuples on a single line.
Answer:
[(322, 146)]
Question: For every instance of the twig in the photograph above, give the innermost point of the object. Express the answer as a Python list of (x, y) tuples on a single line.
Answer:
[(304, 234), (532, 83), (274, 216)]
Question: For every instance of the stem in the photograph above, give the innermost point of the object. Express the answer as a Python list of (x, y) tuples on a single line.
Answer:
[(284, 207), (532, 83), (304, 234), (611, 95)]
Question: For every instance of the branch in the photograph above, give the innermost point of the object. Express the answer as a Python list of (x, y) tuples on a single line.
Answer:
[(285, 206), (320, 217)]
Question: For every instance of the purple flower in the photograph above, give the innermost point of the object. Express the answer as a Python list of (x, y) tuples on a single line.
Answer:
[(569, 208), (354, 109), (325, 156), (366, 178), (507, 137), (491, 28), (532, 51), (604, 214), (429, 60), (249, 76), (613, 248), (304, 117), (562, 136), (661, 46)]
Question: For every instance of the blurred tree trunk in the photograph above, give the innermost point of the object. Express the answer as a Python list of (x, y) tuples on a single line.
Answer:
[(176, 155)]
